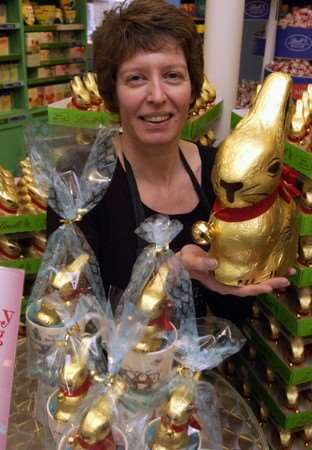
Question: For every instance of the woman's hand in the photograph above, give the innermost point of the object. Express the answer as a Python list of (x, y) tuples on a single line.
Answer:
[(200, 267)]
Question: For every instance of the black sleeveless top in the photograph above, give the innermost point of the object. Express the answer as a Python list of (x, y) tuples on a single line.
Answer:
[(109, 229)]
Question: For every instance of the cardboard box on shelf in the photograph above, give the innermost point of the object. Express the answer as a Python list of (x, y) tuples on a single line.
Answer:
[(32, 42), (45, 72), (76, 52), (5, 102), (4, 45), (33, 98), (61, 69), (3, 13), (293, 42), (5, 73), (13, 72), (44, 55), (49, 94), (47, 36)]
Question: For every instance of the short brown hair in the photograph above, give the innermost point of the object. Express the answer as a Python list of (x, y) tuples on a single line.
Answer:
[(143, 25)]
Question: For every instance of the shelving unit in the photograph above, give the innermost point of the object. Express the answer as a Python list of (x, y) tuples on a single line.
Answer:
[(279, 329), (13, 121)]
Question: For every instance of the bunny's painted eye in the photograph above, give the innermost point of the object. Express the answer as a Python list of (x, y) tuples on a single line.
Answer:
[(274, 168)]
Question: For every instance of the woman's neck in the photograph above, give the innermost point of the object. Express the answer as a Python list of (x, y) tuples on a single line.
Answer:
[(155, 164)]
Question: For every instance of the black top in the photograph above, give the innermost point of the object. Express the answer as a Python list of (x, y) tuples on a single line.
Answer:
[(109, 229)]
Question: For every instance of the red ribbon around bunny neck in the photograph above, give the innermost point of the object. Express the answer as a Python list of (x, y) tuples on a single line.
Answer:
[(193, 422), (106, 444), (286, 189), (163, 321)]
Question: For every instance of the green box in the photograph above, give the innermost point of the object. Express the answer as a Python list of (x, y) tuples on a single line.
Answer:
[(282, 310), (268, 352), (30, 265), (304, 222), (283, 417), (195, 128), (22, 223), (303, 276), (298, 159), (61, 115)]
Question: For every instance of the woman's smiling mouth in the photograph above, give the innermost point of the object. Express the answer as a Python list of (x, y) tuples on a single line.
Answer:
[(156, 118)]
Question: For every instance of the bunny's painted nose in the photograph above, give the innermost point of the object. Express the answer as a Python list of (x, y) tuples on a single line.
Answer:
[(230, 189)]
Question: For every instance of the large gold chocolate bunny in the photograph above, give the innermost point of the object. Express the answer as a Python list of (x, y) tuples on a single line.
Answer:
[(252, 228)]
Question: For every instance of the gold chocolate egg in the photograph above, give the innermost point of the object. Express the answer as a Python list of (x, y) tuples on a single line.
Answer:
[(47, 316)]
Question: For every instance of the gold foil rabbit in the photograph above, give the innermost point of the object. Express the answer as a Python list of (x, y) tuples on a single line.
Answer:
[(90, 82), (154, 303), (252, 228), (74, 385), (81, 98), (69, 282), (177, 415), (95, 429)]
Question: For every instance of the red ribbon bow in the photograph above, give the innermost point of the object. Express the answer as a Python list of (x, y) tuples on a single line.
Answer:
[(79, 391), (163, 321)]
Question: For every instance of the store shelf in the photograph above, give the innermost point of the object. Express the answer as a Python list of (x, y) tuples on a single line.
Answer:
[(22, 223), (269, 352), (30, 265), (56, 27), (11, 85), (15, 113), (10, 57), (56, 62), (195, 128), (50, 45), (48, 80), (9, 26), (283, 417), (59, 114), (283, 308), (40, 110)]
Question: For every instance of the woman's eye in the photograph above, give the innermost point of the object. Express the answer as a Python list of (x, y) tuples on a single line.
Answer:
[(174, 76), (134, 79)]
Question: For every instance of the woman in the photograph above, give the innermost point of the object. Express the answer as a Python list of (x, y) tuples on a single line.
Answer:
[(150, 71)]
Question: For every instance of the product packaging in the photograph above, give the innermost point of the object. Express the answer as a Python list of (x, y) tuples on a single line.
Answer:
[(75, 171)]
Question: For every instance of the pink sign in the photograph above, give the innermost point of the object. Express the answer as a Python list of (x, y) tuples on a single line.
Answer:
[(11, 288)]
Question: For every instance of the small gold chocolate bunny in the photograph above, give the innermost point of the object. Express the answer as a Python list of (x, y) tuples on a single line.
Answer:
[(177, 414)]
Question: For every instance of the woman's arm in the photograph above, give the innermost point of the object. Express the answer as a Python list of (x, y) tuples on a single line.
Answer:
[(200, 266)]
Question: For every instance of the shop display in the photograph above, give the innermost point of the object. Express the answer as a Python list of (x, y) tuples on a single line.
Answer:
[(234, 222), (131, 395), (299, 132), (298, 17), (85, 93), (245, 93)]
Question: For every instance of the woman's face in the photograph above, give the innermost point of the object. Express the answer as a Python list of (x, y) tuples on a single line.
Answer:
[(154, 94)]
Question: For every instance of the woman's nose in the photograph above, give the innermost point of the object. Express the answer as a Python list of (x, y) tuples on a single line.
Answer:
[(156, 92)]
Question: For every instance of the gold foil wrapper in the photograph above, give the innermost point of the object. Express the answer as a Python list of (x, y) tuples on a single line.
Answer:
[(247, 170)]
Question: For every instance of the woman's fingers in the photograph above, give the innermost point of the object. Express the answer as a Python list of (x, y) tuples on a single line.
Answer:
[(196, 260)]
